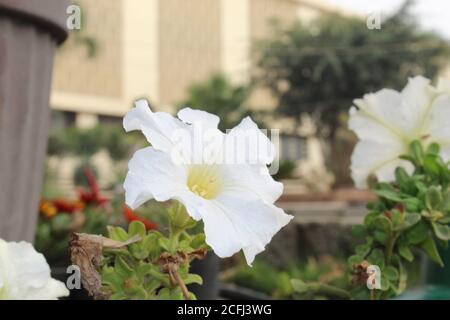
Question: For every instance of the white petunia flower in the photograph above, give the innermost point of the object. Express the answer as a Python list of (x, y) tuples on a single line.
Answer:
[(235, 199), (25, 275), (386, 122)]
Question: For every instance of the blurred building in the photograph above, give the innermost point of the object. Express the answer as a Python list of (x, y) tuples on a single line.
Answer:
[(156, 49), (129, 49)]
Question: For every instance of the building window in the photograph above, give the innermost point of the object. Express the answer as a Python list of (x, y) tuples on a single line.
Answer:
[(293, 148)]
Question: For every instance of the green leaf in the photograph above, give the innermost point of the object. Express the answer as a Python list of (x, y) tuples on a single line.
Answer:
[(383, 223), (385, 283), (112, 279), (376, 257), (429, 246), (433, 148), (445, 204), (389, 195), (397, 218), (118, 296), (193, 278), (380, 236), (299, 286), (402, 277), (363, 250), (441, 231), (122, 268), (406, 253), (136, 228), (117, 233), (391, 273), (198, 241), (417, 151), (445, 220), (433, 198), (358, 231), (401, 176), (408, 158), (431, 166), (164, 294), (370, 219), (417, 234), (164, 243), (411, 219), (411, 204)]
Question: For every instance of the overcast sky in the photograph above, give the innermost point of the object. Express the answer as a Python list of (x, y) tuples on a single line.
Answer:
[(433, 14)]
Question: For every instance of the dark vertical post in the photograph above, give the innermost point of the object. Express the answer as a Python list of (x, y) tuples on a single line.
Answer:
[(30, 31)]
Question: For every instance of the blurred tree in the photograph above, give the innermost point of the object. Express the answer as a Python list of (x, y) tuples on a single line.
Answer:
[(319, 68), (219, 96)]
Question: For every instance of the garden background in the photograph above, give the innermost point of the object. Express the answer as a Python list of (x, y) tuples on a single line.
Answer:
[(292, 65)]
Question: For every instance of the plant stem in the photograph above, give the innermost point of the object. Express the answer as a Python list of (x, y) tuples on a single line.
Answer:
[(390, 248), (180, 282), (388, 255), (372, 295)]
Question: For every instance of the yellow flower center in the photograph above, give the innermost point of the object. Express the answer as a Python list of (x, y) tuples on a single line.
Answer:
[(204, 180)]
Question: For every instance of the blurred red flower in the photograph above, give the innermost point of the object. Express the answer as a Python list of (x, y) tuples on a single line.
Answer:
[(131, 216), (92, 195)]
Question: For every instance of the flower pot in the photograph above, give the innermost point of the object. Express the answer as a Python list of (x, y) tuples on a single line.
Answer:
[(208, 269), (30, 31)]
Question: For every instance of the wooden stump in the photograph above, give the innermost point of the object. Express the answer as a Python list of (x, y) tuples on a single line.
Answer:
[(29, 33)]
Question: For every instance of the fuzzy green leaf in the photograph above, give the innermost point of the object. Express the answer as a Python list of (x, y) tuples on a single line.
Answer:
[(441, 231), (429, 246), (410, 220), (299, 286), (391, 273), (406, 253)]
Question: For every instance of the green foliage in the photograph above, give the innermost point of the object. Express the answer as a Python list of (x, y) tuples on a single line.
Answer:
[(86, 142), (148, 269), (53, 234), (218, 96), (411, 214), (286, 170), (276, 282), (318, 68)]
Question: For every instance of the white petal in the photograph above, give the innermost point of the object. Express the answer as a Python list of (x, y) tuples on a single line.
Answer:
[(233, 223), (246, 143), (251, 181), (378, 116), (377, 158), (388, 114), (152, 174), (437, 125), (192, 116), (416, 99), (25, 274), (51, 291), (443, 85), (158, 127)]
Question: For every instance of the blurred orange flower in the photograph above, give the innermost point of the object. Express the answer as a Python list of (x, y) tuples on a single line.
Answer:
[(47, 209)]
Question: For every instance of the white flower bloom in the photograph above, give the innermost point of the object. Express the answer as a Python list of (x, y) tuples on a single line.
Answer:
[(386, 122), (25, 275), (234, 200)]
